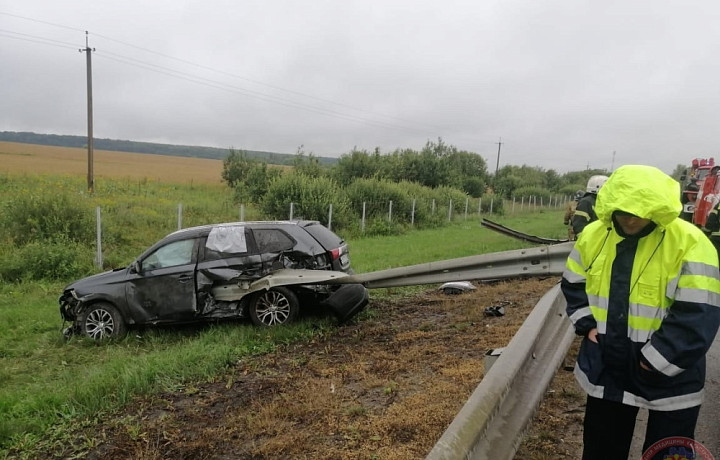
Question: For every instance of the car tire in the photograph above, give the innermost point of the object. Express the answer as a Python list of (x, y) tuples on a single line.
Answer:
[(274, 307), (101, 321)]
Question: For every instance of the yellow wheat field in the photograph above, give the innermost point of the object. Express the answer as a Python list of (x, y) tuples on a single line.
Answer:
[(41, 159)]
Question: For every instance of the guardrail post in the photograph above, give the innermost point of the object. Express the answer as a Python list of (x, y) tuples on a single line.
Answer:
[(179, 214), (412, 214), (330, 218), (292, 205)]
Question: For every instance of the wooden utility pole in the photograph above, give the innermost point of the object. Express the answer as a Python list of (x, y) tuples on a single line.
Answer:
[(90, 175), (497, 164)]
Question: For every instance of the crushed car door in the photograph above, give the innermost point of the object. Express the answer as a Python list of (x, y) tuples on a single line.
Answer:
[(165, 286), (227, 256)]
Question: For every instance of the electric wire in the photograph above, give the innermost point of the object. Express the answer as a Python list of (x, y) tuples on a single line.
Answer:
[(229, 74), (245, 92), (36, 39), (215, 84)]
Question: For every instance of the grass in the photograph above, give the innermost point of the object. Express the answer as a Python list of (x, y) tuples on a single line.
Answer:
[(48, 384)]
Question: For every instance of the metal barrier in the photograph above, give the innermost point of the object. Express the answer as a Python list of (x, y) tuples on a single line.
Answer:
[(491, 424)]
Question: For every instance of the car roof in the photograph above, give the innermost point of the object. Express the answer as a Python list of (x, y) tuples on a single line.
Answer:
[(205, 229)]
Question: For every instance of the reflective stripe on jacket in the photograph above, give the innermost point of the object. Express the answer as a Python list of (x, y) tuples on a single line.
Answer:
[(654, 298)]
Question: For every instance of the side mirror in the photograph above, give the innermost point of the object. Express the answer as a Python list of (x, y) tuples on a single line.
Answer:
[(135, 267)]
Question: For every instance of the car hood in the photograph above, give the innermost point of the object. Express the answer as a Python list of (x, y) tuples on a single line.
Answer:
[(110, 277)]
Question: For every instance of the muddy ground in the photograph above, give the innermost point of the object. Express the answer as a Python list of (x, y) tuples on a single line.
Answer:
[(383, 387)]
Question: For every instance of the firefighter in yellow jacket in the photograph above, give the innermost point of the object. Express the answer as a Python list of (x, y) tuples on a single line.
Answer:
[(643, 289)]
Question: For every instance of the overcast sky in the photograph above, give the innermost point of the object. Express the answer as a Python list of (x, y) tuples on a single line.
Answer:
[(563, 83)]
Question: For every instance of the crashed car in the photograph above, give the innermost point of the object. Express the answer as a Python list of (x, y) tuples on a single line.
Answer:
[(257, 270)]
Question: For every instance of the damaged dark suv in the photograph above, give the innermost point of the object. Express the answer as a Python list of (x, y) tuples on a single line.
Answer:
[(262, 270)]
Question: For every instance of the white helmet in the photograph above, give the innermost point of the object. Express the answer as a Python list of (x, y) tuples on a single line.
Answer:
[(594, 183)]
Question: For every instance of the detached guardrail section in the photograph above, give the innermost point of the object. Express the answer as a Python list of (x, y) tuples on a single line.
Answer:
[(491, 423)]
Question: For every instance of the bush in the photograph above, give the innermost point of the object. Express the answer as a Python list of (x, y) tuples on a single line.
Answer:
[(492, 202), (377, 195), (311, 197), (32, 218), (59, 259)]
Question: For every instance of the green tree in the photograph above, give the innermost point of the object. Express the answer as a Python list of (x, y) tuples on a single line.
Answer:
[(236, 167), (308, 165)]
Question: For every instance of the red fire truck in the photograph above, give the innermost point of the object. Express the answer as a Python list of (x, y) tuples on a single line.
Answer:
[(701, 190)]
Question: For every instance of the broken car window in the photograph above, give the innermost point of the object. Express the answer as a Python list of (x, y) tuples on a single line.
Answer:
[(227, 238)]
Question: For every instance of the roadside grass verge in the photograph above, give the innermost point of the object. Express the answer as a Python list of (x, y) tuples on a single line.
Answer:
[(48, 385)]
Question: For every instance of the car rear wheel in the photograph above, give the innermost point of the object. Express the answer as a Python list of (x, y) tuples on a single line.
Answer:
[(101, 321), (274, 307)]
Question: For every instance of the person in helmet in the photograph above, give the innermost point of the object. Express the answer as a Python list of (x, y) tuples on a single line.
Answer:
[(585, 210), (570, 212)]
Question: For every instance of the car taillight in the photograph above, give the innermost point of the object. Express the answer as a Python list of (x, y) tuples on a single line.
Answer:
[(336, 253)]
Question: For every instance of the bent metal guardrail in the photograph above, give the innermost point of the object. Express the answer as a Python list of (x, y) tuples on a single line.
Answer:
[(491, 423), (537, 261)]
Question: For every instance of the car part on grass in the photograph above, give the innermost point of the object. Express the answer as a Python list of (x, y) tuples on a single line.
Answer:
[(519, 235), (457, 287), (491, 423), (347, 301), (496, 310)]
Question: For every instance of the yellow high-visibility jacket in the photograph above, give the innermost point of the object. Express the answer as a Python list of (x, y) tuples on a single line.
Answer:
[(653, 297)]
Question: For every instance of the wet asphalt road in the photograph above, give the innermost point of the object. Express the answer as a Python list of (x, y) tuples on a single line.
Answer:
[(708, 428)]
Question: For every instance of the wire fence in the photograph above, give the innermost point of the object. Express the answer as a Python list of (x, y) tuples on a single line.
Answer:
[(415, 213)]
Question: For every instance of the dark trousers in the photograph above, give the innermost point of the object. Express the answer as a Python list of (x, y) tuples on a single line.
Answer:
[(608, 428)]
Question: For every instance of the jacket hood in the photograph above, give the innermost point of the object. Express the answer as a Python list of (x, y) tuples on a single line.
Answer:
[(644, 191)]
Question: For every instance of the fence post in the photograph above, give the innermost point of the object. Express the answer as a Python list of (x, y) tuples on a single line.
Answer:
[(242, 213), (541, 202), (492, 201), (98, 256), (412, 214), (330, 218), (513, 207), (433, 207), (292, 205), (390, 212), (362, 222), (467, 201), (480, 206), (522, 203), (179, 216), (450, 211)]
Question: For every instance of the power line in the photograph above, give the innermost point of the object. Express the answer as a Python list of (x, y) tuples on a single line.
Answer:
[(224, 86), (36, 39), (245, 92), (42, 22), (212, 69)]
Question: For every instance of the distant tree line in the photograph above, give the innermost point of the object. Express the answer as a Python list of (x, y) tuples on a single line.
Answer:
[(146, 147)]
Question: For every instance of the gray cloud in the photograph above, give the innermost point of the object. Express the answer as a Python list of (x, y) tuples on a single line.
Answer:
[(565, 83)]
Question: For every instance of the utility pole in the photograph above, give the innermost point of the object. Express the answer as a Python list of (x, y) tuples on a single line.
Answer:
[(497, 164), (90, 175)]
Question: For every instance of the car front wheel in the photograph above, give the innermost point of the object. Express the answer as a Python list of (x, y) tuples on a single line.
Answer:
[(274, 307), (101, 321)]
